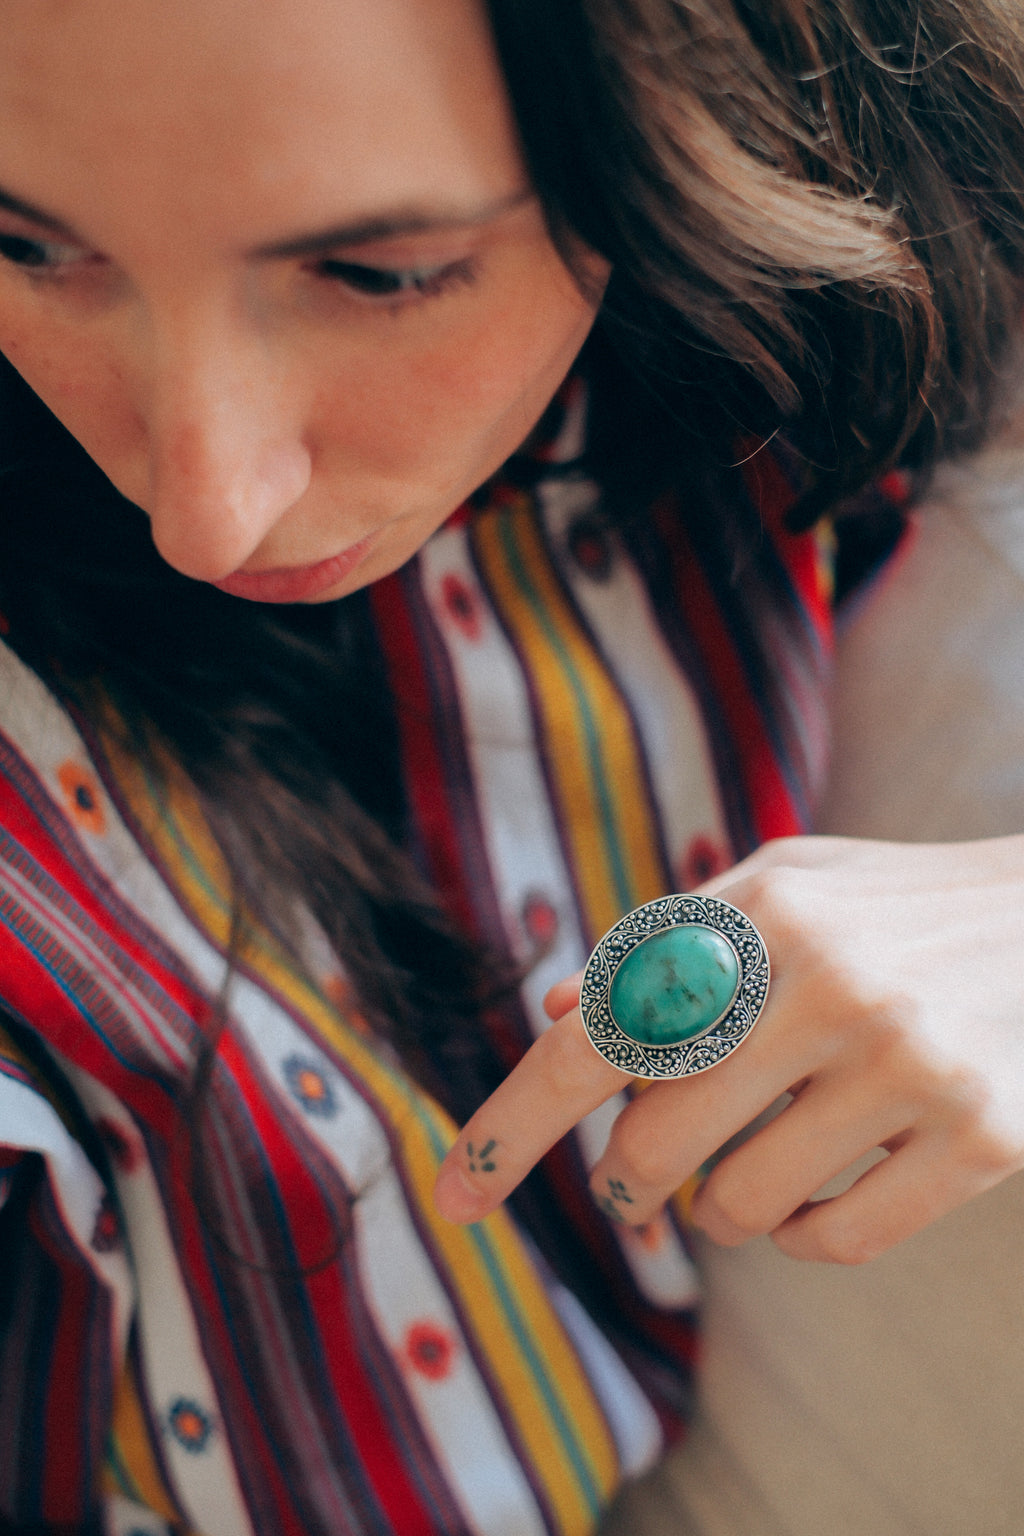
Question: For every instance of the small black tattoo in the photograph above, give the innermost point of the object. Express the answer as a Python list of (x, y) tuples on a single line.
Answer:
[(619, 1192), (481, 1161), (611, 1210)]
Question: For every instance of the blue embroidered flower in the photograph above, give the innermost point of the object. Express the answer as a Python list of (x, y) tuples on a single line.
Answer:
[(309, 1085), (190, 1425)]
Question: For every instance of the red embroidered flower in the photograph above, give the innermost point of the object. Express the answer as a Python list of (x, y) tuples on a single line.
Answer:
[(120, 1146), (590, 547), (106, 1232), (702, 859), (82, 795), (539, 918), (430, 1350), (462, 606)]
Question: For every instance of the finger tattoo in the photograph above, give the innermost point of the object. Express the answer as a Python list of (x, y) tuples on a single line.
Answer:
[(481, 1160)]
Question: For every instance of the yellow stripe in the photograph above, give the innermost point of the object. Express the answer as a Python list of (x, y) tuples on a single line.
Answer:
[(195, 866), (424, 1133), (600, 791), (469, 1274), (132, 1469)]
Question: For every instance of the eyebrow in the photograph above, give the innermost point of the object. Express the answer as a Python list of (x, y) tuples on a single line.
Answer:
[(385, 226), (37, 215), (391, 226)]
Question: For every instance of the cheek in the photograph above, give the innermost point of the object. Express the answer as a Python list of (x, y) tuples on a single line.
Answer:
[(472, 395), (81, 385)]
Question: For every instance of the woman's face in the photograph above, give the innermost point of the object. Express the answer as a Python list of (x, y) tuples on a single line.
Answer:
[(276, 265)]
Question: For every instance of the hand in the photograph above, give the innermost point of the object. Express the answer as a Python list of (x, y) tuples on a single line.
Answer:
[(895, 1019)]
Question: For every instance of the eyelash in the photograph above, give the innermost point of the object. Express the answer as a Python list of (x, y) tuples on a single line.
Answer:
[(32, 255), (399, 285), (387, 285)]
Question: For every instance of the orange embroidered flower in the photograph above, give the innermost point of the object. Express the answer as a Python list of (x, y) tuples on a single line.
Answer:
[(342, 998), (82, 796), (652, 1235)]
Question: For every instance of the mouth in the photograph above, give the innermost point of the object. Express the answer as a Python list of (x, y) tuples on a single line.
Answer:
[(296, 583)]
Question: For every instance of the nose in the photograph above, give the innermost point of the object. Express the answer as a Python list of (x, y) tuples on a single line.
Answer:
[(227, 457)]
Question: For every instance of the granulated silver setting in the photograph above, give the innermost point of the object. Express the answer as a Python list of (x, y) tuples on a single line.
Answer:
[(721, 1037)]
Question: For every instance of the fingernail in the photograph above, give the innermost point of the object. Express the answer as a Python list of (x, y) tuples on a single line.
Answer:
[(456, 1198)]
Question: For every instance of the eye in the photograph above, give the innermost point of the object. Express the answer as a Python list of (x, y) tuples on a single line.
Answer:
[(39, 255), (398, 283)]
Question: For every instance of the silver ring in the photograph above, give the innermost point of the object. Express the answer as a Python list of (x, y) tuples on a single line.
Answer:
[(675, 986)]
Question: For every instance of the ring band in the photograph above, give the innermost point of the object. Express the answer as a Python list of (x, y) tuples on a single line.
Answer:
[(675, 986)]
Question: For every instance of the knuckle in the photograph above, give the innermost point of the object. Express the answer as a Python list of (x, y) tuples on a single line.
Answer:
[(648, 1159), (841, 1242), (983, 1153), (785, 900), (730, 1206), (887, 1026)]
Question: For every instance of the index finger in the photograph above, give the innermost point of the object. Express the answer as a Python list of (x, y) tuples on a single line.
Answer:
[(559, 1081)]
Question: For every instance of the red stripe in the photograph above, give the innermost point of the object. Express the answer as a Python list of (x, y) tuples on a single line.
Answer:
[(427, 781), (70, 1387), (772, 494), (381, 1451), (765, 791), (248, 1437)]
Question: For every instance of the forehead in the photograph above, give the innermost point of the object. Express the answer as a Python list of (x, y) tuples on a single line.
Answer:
[(288, 102)]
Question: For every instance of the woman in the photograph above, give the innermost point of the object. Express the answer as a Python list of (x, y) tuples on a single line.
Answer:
[(375, 655)]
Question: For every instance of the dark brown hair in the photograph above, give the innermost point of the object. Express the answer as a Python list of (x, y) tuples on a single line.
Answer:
[(814, 208), (815, 215)]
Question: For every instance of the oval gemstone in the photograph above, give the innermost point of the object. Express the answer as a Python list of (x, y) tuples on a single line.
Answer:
[(674, 985)]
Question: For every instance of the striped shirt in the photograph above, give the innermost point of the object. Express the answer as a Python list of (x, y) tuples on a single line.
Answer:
[(588, 719)]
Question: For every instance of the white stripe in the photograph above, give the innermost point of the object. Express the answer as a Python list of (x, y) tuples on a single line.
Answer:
[(30, 1123), (45, 737), (523, 846), (174, 1364), (634, 1423), (125, 1518), (401, 1286)]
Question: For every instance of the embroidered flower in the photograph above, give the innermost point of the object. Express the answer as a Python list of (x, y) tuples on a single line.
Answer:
[(462, 606), (430, 1350), (310, 1087), (83, 797), (190, 1425), (652, 1236), (341, 995), (539, 918), (106, 1232), (702, 859), (120, 1146), (590, 547)]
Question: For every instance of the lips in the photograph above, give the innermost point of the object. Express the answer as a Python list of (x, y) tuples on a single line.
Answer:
[(296, 583)]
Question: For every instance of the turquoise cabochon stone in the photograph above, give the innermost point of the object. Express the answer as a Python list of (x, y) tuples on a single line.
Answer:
[(674, 985)]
